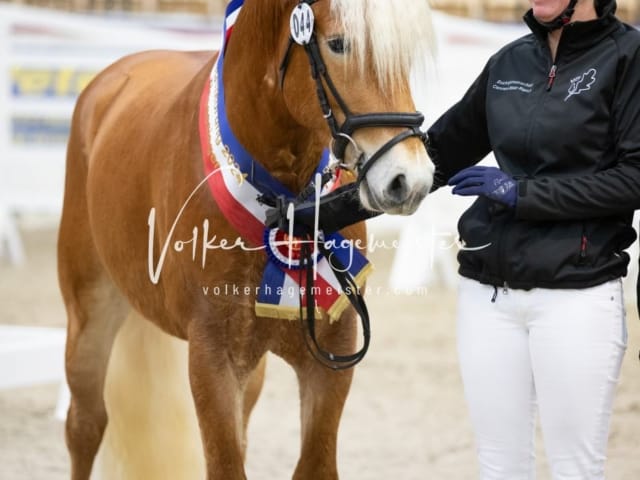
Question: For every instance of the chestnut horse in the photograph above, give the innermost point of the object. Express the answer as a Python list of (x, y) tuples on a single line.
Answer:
[(135, 146)]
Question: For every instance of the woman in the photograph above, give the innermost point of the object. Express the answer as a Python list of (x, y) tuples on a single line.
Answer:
[(541, 320)]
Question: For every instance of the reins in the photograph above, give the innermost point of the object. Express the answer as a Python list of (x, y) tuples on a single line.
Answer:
[(351, 290)]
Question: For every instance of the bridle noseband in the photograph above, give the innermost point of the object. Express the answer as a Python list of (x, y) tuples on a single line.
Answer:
[(342, 134)]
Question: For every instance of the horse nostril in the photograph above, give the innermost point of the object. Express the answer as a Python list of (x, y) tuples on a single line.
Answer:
[(397, 189)]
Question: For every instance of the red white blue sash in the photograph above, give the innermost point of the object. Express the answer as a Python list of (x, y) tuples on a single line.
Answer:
[(236, 182)]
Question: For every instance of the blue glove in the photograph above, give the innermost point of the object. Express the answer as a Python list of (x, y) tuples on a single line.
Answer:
[(490, 182)]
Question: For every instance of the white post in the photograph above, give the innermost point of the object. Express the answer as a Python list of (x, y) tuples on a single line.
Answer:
[(5, 93), (9, 235)]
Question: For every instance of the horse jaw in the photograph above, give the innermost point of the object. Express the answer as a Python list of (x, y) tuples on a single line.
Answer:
[(399, 180)]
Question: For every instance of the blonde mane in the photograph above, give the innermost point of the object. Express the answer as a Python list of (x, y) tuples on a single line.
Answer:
[(398, 34)]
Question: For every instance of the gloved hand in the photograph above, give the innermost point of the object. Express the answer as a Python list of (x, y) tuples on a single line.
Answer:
[(490, 182), (338, 209)]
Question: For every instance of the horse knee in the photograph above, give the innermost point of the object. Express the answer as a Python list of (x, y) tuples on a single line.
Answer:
[(85, 424)]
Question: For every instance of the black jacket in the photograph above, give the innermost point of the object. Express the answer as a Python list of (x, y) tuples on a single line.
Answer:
[(573, 143)]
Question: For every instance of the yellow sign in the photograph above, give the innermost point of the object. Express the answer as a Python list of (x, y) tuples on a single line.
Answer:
[(63, 82)]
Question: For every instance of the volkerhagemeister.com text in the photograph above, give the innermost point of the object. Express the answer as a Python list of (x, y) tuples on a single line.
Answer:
[(294, 292)]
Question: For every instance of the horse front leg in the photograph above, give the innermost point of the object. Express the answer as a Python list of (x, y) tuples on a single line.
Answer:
[(251, 394), (323, 393), (218, 397)]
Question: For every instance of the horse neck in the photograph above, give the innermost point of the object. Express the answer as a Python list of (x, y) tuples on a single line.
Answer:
[(255, 105)]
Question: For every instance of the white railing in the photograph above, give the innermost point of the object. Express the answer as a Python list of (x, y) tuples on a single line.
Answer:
[(32, 174), (30, 355)]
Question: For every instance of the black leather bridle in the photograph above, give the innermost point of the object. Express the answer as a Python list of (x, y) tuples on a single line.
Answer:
[(335, 202), (342, 134)]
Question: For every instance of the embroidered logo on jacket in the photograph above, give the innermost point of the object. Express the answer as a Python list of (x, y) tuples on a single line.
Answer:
[(511, 85), (582, 83)]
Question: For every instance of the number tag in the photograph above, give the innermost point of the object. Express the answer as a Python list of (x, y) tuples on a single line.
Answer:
[(302, 24)]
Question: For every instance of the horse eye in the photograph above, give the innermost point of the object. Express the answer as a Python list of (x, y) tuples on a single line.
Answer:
[(338, 45)]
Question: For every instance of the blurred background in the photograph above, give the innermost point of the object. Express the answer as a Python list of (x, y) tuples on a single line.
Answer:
[(405, 416)]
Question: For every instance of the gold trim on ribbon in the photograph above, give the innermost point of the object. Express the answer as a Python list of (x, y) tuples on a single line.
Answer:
[(293, 313)]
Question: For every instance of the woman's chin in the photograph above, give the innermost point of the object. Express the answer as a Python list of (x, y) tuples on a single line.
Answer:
[(544, 16), (546, 11)]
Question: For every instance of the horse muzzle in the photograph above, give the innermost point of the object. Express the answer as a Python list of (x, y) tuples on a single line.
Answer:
[(398, 180)]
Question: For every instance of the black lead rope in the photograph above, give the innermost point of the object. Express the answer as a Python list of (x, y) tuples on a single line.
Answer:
[(351, 290), (344, 199)]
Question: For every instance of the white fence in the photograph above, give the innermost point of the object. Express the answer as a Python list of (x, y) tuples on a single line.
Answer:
[(46, 58), (30, 355)]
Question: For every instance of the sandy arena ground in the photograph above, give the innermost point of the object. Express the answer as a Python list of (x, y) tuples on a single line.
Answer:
[(405, 418)]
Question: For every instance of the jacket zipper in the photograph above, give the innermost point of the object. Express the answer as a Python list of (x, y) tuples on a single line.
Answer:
[(584, 241), (499, 261), (551, 77)]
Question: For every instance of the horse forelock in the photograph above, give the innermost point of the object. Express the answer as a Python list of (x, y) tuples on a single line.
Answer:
[(395, 35)]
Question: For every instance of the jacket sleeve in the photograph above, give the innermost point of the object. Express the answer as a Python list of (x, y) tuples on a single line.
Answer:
[(613, 191), (459, 138)]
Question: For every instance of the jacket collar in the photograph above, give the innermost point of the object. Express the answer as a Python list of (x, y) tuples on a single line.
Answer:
[(579, 35)]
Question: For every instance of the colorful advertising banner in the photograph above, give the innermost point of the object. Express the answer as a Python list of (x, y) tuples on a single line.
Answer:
[(49, 85)]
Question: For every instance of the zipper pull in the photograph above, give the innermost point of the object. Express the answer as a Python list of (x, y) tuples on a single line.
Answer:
[(495, 294), (552, 76), (505, 288), (583, 248)]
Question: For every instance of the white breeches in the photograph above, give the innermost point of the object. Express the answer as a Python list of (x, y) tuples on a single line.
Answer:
[(557, 352)]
